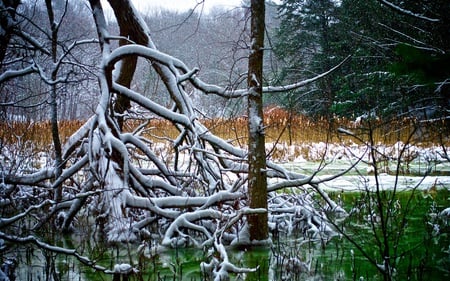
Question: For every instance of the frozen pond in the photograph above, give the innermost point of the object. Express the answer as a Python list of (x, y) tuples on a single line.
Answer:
[(359, 178)]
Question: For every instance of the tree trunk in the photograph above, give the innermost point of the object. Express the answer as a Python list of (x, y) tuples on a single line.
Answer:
[(53, 101), (257, 179), (128, 29), (7, 22)]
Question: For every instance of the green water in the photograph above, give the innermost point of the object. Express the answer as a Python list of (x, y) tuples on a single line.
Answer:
[(423, 254), (422, 250)]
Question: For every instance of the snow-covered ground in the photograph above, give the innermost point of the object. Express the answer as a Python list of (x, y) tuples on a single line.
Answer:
[(419, 167), (358, 183)]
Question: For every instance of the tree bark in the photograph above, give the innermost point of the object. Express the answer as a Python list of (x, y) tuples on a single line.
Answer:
[(7, 22), (257, 178), (130, 29), (53, 100)]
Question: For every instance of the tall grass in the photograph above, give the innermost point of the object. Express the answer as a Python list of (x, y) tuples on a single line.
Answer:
[(281, 126), (39, 133)]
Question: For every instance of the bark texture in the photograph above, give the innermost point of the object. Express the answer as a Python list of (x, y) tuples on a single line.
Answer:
[(130, 29), (257, 179)]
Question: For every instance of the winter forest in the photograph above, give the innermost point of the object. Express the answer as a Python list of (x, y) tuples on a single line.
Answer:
[(278, 140)]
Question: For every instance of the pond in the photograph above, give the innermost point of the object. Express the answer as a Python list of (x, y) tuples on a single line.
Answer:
[(415, 235), (425, 255)]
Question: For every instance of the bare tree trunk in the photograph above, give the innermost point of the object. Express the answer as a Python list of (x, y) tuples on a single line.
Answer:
[(128, 29), (53, 101), (257, 178), (7, 22)]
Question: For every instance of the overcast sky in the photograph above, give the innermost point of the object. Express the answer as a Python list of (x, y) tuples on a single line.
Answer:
[(183, 5)]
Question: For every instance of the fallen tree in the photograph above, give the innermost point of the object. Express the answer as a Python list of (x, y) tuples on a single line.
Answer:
[(196, 195)]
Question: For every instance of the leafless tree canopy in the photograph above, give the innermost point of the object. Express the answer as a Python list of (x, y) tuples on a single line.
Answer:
[(190, 189)]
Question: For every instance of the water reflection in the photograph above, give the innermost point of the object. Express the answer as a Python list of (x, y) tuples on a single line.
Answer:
[(426, 255)]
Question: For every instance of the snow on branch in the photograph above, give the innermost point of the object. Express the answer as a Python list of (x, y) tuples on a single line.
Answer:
[(77, 139), (277, 89), (199, 201), (7, 221), (173, 63), (32, 179), (230, 93), (406, 12), (32, 40), (175, 237), (152, 106), (220, 91), (154, 183), (11, 74), (423, 46)]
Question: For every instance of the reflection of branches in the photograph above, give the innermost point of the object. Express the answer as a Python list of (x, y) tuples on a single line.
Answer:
[(60, 250), (378, 208)]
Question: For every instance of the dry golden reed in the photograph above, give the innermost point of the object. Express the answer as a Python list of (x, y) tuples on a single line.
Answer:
[(37, 132), (281, 126)]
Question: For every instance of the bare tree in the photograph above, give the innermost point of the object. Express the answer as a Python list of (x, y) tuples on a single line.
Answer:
[(193, 189), (54, 27)]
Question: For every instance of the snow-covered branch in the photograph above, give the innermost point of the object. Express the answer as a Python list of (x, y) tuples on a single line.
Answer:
[(237, 93), (407, 12), (11, 74), (276, 89), (7, 221), (153, 106), (422, 45), (193, 191), (32, 40), (33, 179)]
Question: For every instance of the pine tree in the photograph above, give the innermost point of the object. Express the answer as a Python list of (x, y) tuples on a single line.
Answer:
[(305, 42)]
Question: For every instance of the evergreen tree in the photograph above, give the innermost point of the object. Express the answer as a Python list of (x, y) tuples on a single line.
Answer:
[(399, 56), (305, 42), (366, 87), (423, 56)]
